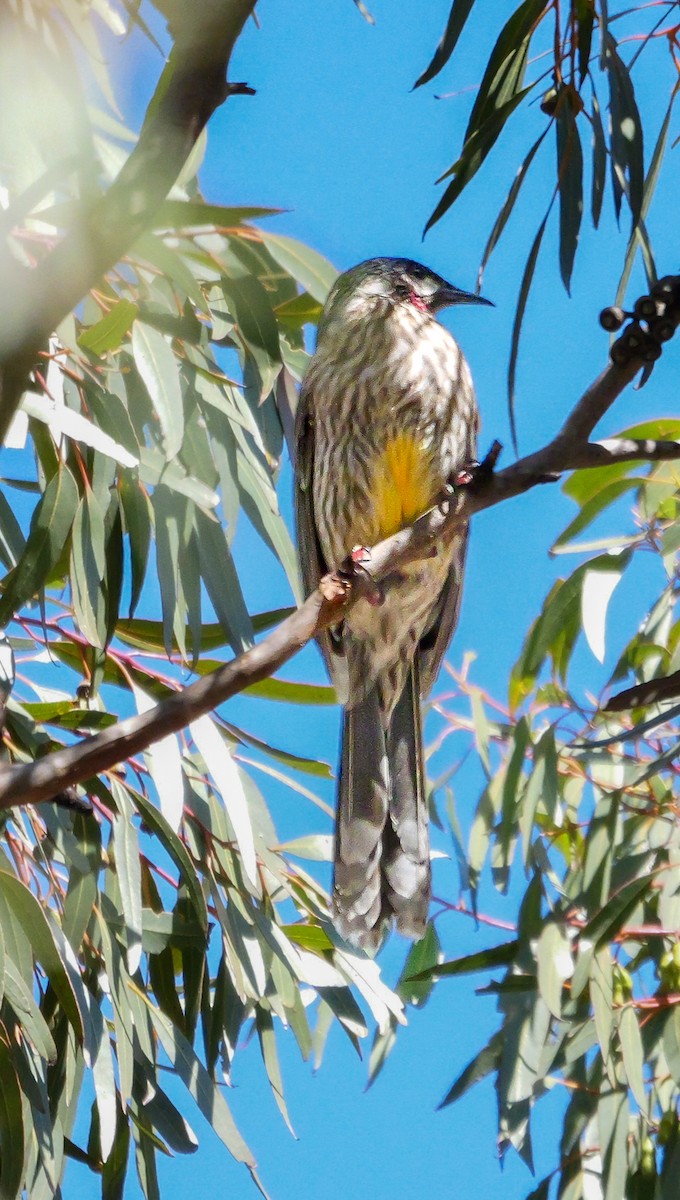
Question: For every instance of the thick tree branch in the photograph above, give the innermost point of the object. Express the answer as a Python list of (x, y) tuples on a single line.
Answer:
[(37, 300), (570, 449)]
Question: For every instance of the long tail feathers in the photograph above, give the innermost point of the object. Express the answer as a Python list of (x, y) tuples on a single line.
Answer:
[(363, 796), (406, 843), (382, 863)]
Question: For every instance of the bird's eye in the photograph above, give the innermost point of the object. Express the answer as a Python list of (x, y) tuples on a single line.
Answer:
[(405, 292)]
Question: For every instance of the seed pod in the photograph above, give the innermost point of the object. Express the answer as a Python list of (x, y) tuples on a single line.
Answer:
[(649, 306), (652, 351), (662, 329), (619, 352), (634, 337), (667, 288), (550, 101), (612, 318)]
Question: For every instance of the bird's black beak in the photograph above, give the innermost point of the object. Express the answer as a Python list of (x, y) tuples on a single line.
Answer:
[(448, 294)]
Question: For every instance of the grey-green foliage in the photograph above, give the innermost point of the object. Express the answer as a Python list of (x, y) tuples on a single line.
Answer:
[(583, 800), (582, 61), (147, 935)]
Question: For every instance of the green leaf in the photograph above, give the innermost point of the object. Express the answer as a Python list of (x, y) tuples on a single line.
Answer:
[(256, 322), (11, 1126), (524, 289), (261, 509), (164, 761), (33, 1024), (599, 163), (222, 583), (88, 569), (172, 524), (475, 150), (423, 957), (64, 421), (106, 1096), (2, 966), (570, 184), (170, 1123), (364, 12), (606, 923), (482, 1064), (553, 957), (460, 11), (627, 151), (109, 333), (612, 1119), (178, 267), (113, 582), (220, 763), (195, 214), (12, 540), (303, 310), (50, 527), (607, 494), (158, 369), (308, 766), (176, 851), (193, 1074), (671, 1041), (80, 900), (513, 787), (124, 1020), (115, 1167), (585, 18), (541, 789), (137, 516), (648, 192), (633, 1054), (482, 960), (383, 1045), (30, 916), (598, 587), (126, 847), (67, 714), (111, 415), (345, 1010), (310, 937), (267, 1039), (288, 692), (145, 1152), (482, 729), (307, 266), (505, 69), (505, 212), (559, 619), (541, 1192)]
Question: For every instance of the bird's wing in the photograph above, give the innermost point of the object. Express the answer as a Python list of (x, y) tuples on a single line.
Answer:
[(436, 638), (312, 562)]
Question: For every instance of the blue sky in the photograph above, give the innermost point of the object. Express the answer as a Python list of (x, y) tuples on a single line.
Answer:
[(335, 136)]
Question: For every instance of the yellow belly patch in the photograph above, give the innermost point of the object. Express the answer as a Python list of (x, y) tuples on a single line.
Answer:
[(403, 485)]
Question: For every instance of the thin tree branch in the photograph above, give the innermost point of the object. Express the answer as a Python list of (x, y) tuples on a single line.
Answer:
[(653, 691), (38, 299), (47, 776), (617, 450)]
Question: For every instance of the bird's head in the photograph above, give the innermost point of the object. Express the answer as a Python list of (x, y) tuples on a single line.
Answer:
[(392, 281)]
